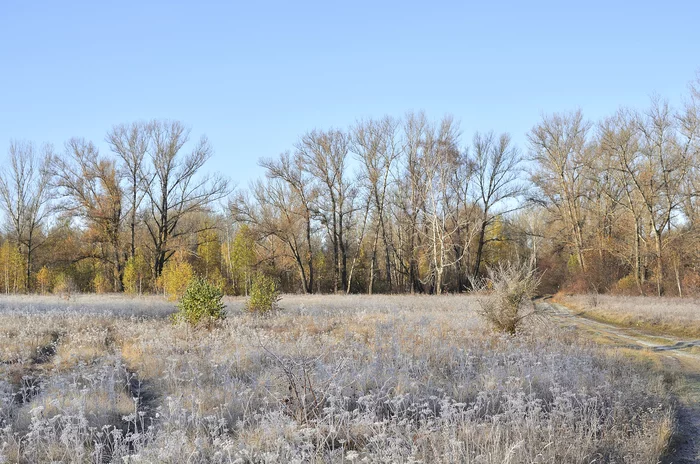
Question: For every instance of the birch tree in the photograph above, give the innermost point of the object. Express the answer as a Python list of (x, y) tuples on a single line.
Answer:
[(25, 198)]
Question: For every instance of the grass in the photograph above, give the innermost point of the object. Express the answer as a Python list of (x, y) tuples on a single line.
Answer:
[(325, 379), (657, 315)]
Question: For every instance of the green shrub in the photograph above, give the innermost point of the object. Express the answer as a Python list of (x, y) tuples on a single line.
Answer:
[(264, 295), (201, 303)]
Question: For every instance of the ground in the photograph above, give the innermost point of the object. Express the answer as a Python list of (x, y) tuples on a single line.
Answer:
[(326, 379), (671, 354)]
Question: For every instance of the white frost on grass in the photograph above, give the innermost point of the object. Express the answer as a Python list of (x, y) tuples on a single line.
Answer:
[(326, 379)]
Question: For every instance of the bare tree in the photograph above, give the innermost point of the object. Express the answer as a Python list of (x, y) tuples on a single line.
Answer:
[(324, 155), (659, 173), (409, 197), (441, 158), (304, 195), (176, 186), (619, 144), (497, 166), (275, 211), (130, 143), (25, 197), (559, 147), (375, 145)]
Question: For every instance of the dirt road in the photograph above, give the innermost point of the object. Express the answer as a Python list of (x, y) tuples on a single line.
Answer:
[(681, 356)]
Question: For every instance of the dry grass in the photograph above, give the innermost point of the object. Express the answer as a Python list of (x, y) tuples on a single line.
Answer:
[(326, 379), (659, 315)]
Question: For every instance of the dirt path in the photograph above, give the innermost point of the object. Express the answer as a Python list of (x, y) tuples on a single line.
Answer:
[(681, 356)]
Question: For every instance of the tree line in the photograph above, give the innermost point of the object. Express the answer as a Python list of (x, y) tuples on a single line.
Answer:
[(387, 205)]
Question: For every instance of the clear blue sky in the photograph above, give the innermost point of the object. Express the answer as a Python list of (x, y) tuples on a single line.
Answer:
[(254, 76)]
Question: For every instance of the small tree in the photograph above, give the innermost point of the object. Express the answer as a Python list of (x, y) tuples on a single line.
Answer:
[(510, 288), (264, 295), (136, 274), (201, 303), (43, 279), (175, 279), (64, 285), (100, 283)]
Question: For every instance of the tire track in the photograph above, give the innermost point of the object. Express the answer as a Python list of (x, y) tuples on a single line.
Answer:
[(674, 352)]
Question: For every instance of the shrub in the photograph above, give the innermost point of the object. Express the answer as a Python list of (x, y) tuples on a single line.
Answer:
[(264, 295), (201, 302), (512, 287)]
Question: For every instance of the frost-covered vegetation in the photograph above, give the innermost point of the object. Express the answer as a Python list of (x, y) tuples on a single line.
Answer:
[(326, 379), (667, 315)]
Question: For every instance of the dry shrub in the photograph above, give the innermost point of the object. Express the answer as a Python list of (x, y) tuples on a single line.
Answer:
[(511, 287)]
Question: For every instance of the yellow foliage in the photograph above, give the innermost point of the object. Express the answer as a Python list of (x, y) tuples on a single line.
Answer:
[(12, 269), (175, 278), (136, 274), (101, 284), (43, 279)]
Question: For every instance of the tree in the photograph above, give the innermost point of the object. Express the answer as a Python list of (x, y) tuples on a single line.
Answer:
[(25, 197), (659, 172), (12, 270), (130, 143), (559, 147), (619, 143), (90, 187), (375, 144), (209, 254), (243, 257), (324, 155), (292, 173), (274, 211), (441, 157), (43, 279), (176, 276), (497, 167), (136, 274), (176, 187), (409, 197)]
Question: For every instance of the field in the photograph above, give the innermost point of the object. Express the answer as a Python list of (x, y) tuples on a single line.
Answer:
[(326, 379), (661, 315)]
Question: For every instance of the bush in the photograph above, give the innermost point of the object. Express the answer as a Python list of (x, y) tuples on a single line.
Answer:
[(264, 295), (201, 302), (512, 287)]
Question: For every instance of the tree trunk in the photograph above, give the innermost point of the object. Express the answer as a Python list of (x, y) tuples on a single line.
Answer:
[(480, 248), (28, 281), (310, 255), (659, 262), (638, 256)]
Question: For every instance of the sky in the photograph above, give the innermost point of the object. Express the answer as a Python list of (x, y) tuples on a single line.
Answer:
[(255, 76)]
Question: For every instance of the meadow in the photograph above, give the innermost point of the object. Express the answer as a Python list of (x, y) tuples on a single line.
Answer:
[(325, 379)]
